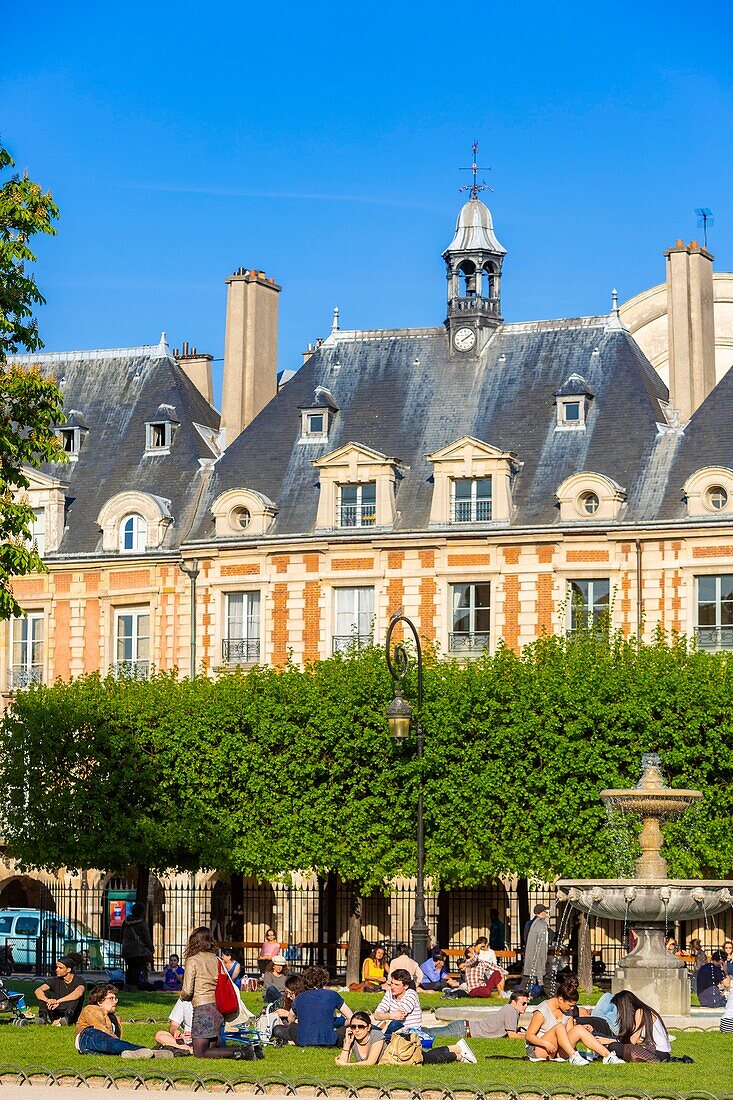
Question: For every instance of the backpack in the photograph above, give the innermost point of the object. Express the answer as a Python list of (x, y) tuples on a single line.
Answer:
[(403, 1050), (225, 994), (266, 1022)]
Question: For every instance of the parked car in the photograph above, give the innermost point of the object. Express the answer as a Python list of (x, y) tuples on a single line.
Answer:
[(35, 937)]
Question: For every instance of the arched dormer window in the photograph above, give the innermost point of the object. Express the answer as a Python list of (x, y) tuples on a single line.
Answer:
[(242, 512), (589, 496), (133, 534), (133, 522)]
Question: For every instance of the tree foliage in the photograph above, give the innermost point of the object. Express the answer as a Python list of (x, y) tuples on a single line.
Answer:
[(268, 772), (30, 405)]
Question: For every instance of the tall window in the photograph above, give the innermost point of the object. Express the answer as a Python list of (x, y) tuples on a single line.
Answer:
[(471, 605), (715, 612), (358, 505), (38, 530), (589, 602), (353, 617), (132, 640), (242, 641), (471, 500), (133, 533), (26, 650)]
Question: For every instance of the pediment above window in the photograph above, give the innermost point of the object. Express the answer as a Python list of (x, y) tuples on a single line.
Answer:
[(472, 483), (590, 496), (47, 497), (242, 512), (355, 464), (709, 492), (153, 510)]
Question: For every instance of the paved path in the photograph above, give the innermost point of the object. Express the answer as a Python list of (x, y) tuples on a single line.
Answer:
[(53, 1092)]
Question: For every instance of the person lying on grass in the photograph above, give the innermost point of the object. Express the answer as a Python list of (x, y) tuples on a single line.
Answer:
[(98, 1030), (554, 1033), (364, 1045)]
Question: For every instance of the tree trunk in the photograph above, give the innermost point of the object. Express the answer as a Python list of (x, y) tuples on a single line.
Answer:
[(523, 908), (585, 956), (142, 886), (353, 953)]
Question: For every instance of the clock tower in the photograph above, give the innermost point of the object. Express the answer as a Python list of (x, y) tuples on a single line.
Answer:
[(473, 261)]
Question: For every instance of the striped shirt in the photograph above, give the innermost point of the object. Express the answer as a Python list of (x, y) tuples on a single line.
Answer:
[(408, 1002)]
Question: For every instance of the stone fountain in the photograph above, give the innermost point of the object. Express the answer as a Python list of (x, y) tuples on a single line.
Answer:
[(650, 902)]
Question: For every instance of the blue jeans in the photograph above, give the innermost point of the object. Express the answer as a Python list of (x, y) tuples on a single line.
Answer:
[(394, 1025), (94, 1041)]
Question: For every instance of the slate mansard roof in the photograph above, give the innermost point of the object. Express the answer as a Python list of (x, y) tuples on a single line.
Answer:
[(115, 392), (400, 393)]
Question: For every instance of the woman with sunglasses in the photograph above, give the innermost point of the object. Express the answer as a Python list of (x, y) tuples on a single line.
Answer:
[(365, 1044), (99, 1031)]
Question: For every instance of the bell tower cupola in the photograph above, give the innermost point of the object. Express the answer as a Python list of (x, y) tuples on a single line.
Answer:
[(473, 263)]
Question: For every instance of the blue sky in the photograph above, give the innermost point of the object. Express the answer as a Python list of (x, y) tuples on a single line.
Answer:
[(321, 143)]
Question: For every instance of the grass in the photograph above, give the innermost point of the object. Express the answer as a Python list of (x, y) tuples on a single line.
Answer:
[(500, 1062)]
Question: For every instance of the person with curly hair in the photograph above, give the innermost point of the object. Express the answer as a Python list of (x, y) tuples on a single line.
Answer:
[(314, 1012), (99, 1031)]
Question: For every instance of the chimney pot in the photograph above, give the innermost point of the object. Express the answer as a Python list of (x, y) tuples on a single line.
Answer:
[(694, 244), (679, 244)]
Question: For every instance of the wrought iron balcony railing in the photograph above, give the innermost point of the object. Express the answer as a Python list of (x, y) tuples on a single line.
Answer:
[(240, 650), (23, 677), (343, 642), (134, 670), (714, 637), (490, 307), (358, 515), (468, 641), (471, 511)]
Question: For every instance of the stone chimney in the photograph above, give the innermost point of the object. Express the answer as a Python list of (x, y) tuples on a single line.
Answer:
[(197, 366), (690, 325), (250, 349)]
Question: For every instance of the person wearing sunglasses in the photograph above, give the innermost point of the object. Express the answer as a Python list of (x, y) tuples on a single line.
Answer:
[(365, 1044), (99, 1031)]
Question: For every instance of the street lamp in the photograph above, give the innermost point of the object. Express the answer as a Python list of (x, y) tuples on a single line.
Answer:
[(192, 569), (399, 716)]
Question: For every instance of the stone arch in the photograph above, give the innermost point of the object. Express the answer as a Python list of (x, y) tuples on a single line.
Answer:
[(153, 509), (242, 909), (26, 892)]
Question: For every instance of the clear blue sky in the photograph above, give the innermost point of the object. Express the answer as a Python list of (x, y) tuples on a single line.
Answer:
[(321, 143)]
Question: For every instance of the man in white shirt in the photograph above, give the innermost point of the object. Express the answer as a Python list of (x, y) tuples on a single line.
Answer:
[(400, 1006), (178, 1035), (404, 961)]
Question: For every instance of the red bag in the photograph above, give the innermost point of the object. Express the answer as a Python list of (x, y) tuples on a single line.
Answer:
[(225, 994)]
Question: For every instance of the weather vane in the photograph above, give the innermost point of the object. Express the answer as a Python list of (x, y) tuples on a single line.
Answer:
[(475, 187)]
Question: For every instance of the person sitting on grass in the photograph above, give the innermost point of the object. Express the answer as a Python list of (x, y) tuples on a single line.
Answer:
[(403, 960), (642, 1033), (61, 998), (274, 978), (553, 1032), (178, 1035), (365, 1044), (712, 982), (173, 975), (503, 1024), (232, 964), (374, 970), (481, 971), (400, 1006), (435, 976), (314, 1013), (99, 1031), (286, 1029)]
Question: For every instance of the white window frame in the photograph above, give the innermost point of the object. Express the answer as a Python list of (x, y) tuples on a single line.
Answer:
[(479, 509), (719, 635), (138, 531), (165, 427), (564, 423), (242, 645), (38, 530), (72, 435), (26, 632), (361, 616), (360, 510), (472, 640), (137, 663), (589, 605)]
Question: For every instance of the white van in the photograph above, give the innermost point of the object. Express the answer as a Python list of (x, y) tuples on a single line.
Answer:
[(36, 937)]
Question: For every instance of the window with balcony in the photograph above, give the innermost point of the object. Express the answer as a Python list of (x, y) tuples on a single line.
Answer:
[(358, 505), (470, 623), (471, 500), (132, 642), (133, 534), (590, 602), (353, 618), (242, 642), (714, 628), (26, 651)]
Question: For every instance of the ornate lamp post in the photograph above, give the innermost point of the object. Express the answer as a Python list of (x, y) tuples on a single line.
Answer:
[(399, 715), (192, 569)]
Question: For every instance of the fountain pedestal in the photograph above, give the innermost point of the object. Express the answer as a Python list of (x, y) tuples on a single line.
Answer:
[(655, 976)]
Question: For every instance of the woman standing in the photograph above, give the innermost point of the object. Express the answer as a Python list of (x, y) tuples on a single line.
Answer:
[(136, 948), (270, 948), (199, 987)]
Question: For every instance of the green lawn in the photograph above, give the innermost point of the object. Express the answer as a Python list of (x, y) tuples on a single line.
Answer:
[(500, 1063)]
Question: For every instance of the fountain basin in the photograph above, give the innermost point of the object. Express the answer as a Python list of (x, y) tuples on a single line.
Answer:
[(652, 901)]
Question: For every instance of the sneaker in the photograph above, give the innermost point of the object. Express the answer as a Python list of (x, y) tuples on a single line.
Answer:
[(467, 1054), (245, 1054), (259, 1051), (139, 1052), (578, 1059), (506, 994), (164, 1053), (613, 1060)]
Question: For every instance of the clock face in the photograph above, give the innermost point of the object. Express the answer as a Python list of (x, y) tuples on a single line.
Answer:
[(464, 339)]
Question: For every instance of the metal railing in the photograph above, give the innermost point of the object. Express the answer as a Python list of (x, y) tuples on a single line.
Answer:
[(472, 511), (468, 642), (714, 637), (134, 670), (240, 650), (342, 642), (358, 515), (490, 306), (24, 677)]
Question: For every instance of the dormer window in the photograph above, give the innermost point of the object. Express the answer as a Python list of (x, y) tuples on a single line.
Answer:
[(709, 492), (160, 430), (471, 500), (572, 401), (316, 418), (72, 434), (589, 495), (70, 440), (133, 534), (358, 505), (358, 488)]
